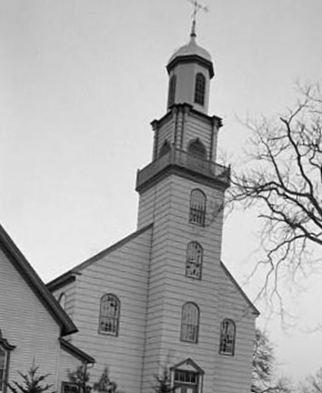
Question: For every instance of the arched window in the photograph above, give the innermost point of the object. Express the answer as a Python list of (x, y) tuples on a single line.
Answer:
[(109, 314), (227, 337), (165, 148), (190, 322), (200, 88), (3, 363), (194, 260), (172, 90), (5, 349), (197, 149), (62, 300), (197, 207)]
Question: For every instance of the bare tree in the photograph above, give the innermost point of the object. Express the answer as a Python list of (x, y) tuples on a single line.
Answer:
[(312, 384), (283, 181)]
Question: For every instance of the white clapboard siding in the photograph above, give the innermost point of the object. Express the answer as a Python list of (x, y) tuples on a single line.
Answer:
[(70, 292), (193, 129), (123, 272), (166, 132), (147, 273), (27, 324), (171, 198)]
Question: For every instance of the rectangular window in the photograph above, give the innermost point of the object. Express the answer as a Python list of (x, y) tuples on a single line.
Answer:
[(3, 362), (69, 387)]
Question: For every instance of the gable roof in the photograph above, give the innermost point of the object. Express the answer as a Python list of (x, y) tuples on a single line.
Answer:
[(188, 363), (21, 264), (70, 276), (248, 301)]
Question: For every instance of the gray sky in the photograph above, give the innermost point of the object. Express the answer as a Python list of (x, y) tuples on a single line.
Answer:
[(80, 82)]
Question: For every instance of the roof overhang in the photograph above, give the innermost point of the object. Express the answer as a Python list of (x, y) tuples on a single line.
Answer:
[(192, 59)]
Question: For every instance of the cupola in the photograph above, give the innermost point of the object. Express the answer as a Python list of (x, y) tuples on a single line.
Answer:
[(190, 69)]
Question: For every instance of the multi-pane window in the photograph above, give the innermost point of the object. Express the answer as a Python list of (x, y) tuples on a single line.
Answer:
[(194, 260), (3, 363), (190, 322), (200, 89), (172, 90), (5, 349), (186, 381), (227, 337), (109, 314), (197, 207), (69, 387)]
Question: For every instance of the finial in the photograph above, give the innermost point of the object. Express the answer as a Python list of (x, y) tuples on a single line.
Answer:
[(196, 8)]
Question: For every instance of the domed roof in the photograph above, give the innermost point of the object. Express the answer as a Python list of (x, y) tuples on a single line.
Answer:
[(191, 52), (191, 49)]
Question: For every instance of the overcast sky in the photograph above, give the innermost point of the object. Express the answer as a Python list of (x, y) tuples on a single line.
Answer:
[(80, 82)]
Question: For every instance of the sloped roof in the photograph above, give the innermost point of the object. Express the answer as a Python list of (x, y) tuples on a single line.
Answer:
[(70, 276), (76, 352), (229, 275), (21, 264)]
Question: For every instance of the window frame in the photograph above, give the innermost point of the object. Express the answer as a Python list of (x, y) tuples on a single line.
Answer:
[(172, 90), (200, 89), (200, 153), (226, 336), (195, 211), (64, 384), (164, 149), (185, 326), (116, 320), (6, 348), (190, 261), (187, 366)]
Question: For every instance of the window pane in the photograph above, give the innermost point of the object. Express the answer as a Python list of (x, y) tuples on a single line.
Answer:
[(227, 337), (109, 314), (2, 367), (200, 87), (189, 322), (197, 207), (194, 260)]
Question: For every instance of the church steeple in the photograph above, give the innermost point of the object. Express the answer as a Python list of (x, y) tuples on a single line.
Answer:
[(185, 138)]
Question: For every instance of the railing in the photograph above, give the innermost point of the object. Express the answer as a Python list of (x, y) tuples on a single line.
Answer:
[(182, 159)]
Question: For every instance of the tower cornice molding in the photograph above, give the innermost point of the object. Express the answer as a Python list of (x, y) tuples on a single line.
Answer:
[(193, 58), (187, 108)]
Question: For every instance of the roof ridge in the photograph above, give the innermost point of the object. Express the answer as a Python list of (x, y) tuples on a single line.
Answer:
[(60, 280)]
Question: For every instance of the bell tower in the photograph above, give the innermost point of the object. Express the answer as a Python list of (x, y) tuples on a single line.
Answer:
[(181, 191)]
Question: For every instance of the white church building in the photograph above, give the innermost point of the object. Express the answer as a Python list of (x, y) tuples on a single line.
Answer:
[(162, 297)]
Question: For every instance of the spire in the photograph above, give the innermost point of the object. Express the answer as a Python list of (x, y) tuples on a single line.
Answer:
[(193, 29), (196, 8)]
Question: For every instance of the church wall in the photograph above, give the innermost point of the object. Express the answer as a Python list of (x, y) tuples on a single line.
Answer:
[(155, 204), (185, 89), (67, 364), (70, 292), (123, 272), (194, 128), (215, 298), (27, 324), (165, 132), (233, 372), (177, 288)]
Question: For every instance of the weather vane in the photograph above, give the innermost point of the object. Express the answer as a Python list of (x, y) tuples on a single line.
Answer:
[(196, 8)]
